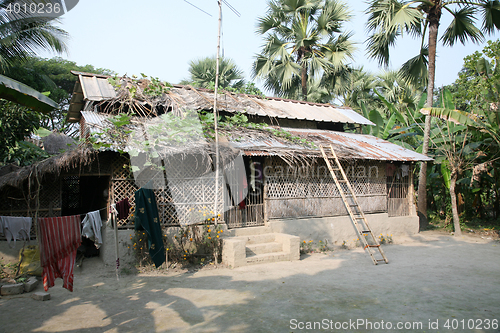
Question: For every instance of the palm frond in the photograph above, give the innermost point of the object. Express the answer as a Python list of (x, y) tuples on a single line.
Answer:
[(462, 28), (414, 71), (491, 15), (378, 46)]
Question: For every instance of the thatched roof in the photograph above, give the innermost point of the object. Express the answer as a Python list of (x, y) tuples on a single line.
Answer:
[(148, 98), (74, 159)]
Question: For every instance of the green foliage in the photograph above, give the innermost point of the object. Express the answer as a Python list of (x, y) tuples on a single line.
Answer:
[(390, 20), (387, 239), (16, 124), (54, 77), (7, 270), (248, 88), (156, 87), (310, 247), (323, 246), (306, 247), (194, 244), (305, 54), (203, 72), (24, 35)]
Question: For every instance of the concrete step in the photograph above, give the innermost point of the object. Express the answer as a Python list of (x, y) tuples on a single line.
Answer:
[(259, 239), (251, 231), (261, 248), (268, 257)]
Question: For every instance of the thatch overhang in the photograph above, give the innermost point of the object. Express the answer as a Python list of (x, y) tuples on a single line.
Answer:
[(301, 143), (348, 146), (73, 159)]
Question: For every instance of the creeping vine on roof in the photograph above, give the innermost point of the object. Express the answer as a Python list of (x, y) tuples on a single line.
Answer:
[(140, 96)]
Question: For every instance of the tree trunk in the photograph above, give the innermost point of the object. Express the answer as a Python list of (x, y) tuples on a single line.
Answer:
[(497, 192), (303, 78), (454, 208), (433, 17)]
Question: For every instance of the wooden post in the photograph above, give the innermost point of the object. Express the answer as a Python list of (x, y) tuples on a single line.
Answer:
[(411, 190), (264, 195)]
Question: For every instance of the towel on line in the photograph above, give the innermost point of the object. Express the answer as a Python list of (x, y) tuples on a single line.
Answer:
[(15, 228), (91, 229)]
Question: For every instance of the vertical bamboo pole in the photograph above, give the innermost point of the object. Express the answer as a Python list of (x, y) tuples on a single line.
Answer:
[(216, 203)]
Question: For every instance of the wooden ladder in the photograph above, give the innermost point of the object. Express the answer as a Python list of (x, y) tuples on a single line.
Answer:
[(366, 236)]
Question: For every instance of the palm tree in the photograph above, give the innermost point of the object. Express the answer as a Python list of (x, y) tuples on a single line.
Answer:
[(304, 47), (397, 91), (390, 19), (21, 36), (203, 71)]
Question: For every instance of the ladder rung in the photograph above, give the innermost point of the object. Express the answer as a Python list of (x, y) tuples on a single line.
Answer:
[(378, 245), (380, 260), (342, 180), (366, 231)]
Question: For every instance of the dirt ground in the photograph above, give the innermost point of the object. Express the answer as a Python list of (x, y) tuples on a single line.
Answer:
[(433, 283)]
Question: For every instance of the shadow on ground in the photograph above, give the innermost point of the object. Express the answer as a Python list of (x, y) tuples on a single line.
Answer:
[(437, 278)]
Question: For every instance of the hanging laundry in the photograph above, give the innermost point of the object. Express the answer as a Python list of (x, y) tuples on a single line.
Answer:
[(252, 175), (123, 208), (15, 228), (236, 177), (390, 169), (59, 238), (405, 168), (146, 217), (91, 229), (260, 173)]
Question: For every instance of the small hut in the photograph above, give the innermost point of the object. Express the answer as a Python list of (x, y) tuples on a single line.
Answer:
[(286, 184)]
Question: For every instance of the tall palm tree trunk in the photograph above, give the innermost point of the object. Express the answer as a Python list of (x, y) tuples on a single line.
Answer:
[(433, 17), (454, 206), (303, 79)]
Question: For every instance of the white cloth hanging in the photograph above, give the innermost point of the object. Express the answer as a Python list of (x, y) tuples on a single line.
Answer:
[(405, 168), (15, 228), (92, 224)]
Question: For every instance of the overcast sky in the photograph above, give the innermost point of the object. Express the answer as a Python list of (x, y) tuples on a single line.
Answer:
[(160, 37)]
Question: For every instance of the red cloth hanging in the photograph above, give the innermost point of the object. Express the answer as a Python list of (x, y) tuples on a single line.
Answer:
[(123, 208), (59, 240)]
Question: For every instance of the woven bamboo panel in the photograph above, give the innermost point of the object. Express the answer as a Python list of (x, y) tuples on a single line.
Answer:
[(304, 191), (50, 193), (398, 184), (186, 197), (120, 166)]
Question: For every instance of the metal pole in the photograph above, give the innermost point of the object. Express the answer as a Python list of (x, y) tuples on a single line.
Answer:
[(216, 118)]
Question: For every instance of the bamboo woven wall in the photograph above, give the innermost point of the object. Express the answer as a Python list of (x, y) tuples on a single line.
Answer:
[(188, 196), (398, 190), (309, 190)]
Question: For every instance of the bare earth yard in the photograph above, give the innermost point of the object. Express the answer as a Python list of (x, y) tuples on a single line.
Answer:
[(433, 280)]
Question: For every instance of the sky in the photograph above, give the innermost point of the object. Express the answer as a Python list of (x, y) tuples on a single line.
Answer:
[(160, 37)]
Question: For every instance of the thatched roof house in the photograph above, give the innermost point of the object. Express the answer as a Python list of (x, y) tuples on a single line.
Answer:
[(288, 187)]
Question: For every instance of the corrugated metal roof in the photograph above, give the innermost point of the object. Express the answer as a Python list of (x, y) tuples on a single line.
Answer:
[(346, 146), (97, 88), (95, 121)]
